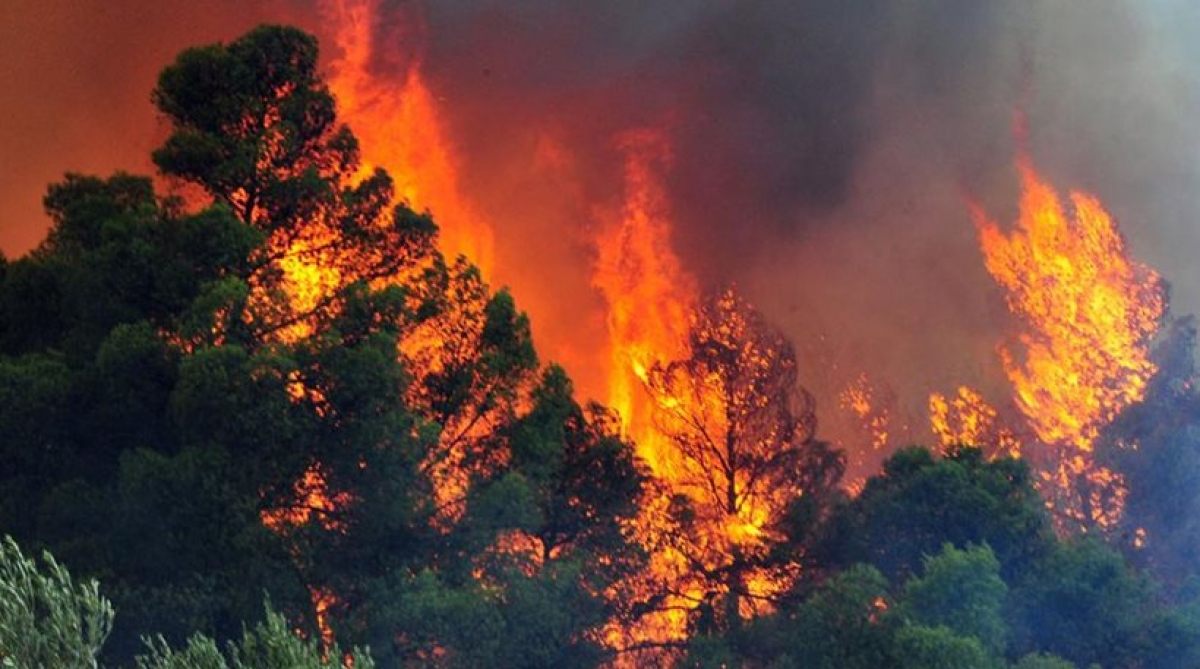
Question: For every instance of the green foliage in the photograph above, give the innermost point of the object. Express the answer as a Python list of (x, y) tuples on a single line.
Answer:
[(1042, 661), (920, 502), (159, 405), (1086, 605), (36, 443), (270, 644), (517, 620), (1155, 446), (842, 624), (254, 126), (962, 591), (252, 108), (46, 618), (116, 254), (584, 477), (709, 652), (545, 532), (203, 558), (920, 647)]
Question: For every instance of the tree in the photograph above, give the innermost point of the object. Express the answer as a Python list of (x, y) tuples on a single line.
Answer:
[(751, 474), (1083, 603), (268, 644), (525, 574), (583, 479), (1042, 661), (842, 623), (1154, 445), (472, 361), (962, 591), (920, 502), (920, 647), (49, 620), (46, 618), (256, 128)]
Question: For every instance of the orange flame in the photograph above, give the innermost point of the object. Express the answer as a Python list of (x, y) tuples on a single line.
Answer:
[(1088, 313), (873, 411), (652, 306), (968, 420), (396, 118), (312, 502), (648, 293), (649, 298)]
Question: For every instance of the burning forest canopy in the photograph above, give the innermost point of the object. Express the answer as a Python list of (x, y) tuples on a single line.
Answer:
[(283, 363)]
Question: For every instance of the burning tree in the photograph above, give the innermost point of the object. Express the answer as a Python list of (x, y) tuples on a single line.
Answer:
[(256, 129), (1088, 312), (748, 475), (401, 373)]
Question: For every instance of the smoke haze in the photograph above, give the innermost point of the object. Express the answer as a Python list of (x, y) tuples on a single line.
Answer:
[(822, 150)]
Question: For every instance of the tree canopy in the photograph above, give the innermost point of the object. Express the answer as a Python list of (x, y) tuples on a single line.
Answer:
[(276, 388)]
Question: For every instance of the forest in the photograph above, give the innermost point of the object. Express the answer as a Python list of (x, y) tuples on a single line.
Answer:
[(258, 419)]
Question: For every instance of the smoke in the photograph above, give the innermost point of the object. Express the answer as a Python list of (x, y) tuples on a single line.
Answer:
[(823, 149), (824, 152)]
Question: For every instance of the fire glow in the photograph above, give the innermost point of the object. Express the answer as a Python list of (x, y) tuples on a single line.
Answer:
[(1087, 310), (1088, 313)]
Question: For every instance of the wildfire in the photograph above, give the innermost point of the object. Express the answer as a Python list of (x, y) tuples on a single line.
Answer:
[(1088, 312), (394, 114), (967, 419), (870, 408), (649, 297), (671, 409), (648, 293), (396, 119), (312, 502)]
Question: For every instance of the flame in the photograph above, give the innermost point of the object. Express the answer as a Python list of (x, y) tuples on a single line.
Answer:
[(312, 501), (649, 296), (652, 307), (649, 299), (396, 117), (968, 420), (1088, 312), (871, 407), (401, 131), (323, 599)]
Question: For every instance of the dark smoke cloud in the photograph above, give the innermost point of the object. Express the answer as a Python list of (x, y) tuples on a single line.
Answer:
[(825, 149)]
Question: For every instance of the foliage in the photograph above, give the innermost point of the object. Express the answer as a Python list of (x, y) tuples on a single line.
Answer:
[(920, 647), (1086, 605), (920, 502), (743, 433), (1154, 446), (291, 390), (46, 618), (962, 591), (284, 387), (254, 126), (269, 644), (842, 624), (1042, 661)]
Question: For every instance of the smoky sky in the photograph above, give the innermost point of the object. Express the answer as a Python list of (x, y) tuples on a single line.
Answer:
[(763, 100), (774, 106), (823, 150)]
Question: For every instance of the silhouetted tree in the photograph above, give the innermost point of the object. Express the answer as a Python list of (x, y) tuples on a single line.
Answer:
[(753, 477), (920, 502)]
